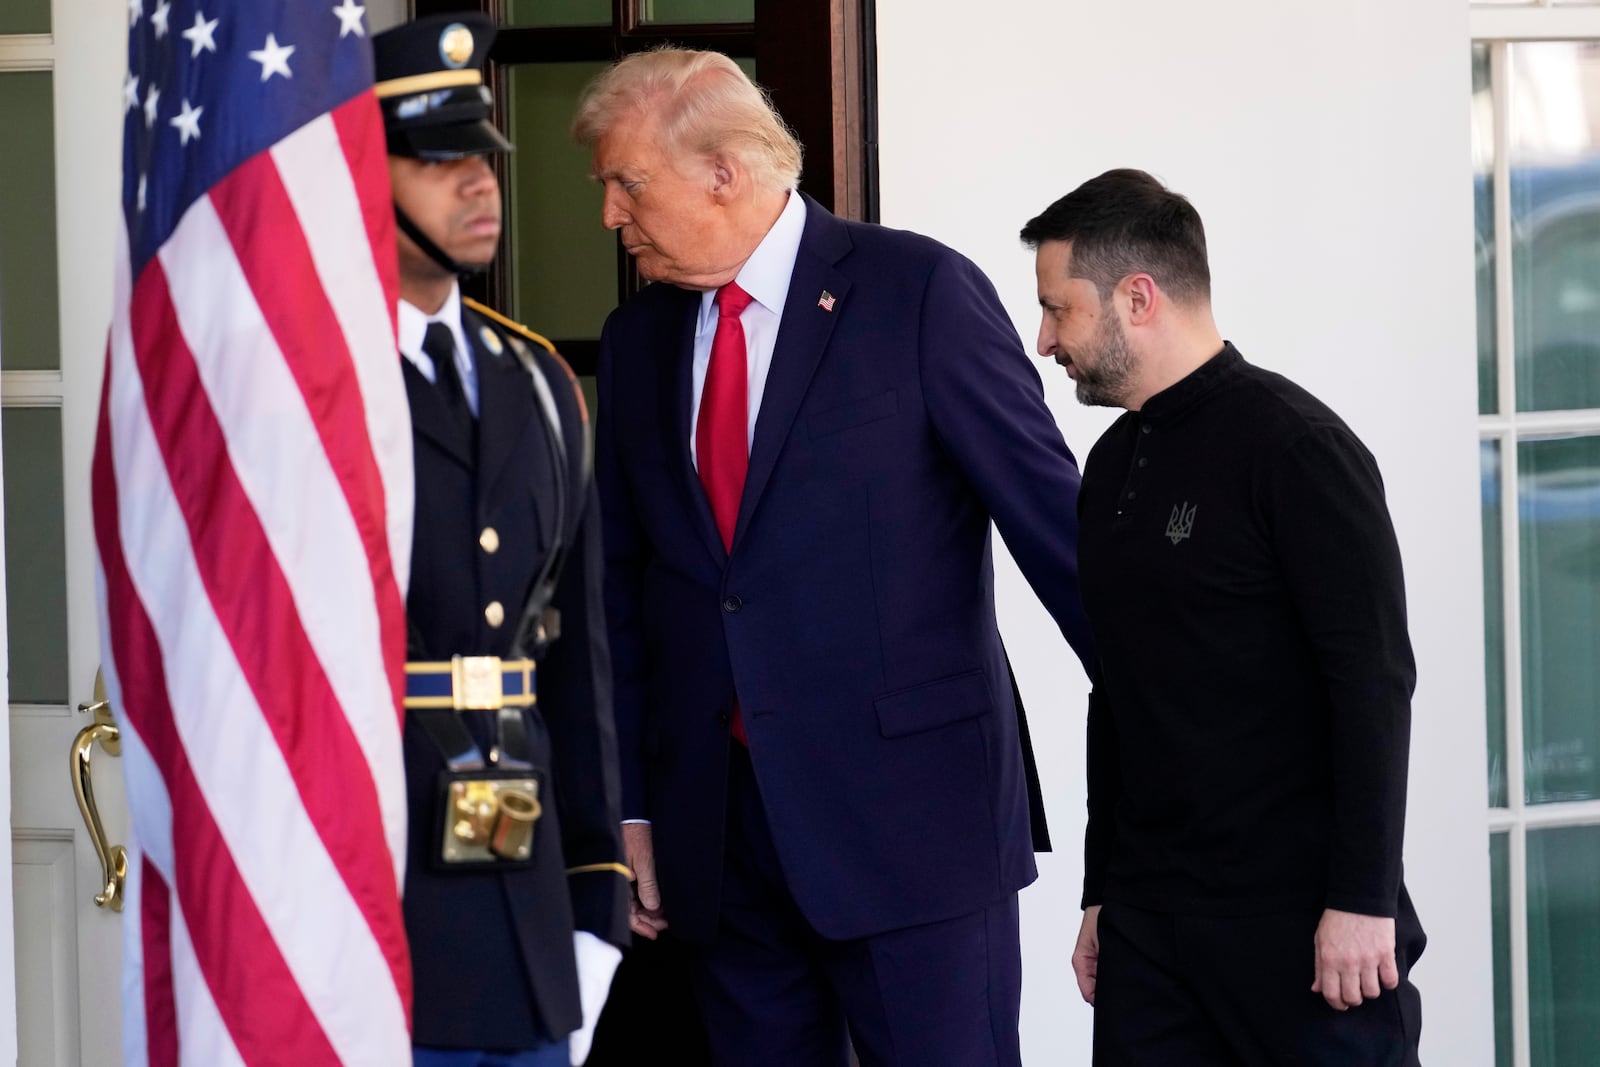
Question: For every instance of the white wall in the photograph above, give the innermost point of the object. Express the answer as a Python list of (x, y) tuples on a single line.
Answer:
[(382, 14), (1325, 145)]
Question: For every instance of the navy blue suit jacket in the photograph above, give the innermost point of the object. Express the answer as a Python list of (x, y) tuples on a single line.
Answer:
[(854, 617)]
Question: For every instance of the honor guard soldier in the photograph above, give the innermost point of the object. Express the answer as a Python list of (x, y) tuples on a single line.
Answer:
[(515, 896)]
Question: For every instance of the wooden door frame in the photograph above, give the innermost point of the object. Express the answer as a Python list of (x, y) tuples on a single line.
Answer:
[(831, 105)]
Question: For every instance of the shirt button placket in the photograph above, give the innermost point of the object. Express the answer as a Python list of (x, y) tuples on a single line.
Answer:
[(1131, 494)]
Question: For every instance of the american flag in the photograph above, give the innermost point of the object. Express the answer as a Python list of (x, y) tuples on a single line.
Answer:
[(252, 502)]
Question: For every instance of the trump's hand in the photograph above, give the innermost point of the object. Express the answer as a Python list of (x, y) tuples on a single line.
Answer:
[(644, 910), (1086, 953), (1354, 958)]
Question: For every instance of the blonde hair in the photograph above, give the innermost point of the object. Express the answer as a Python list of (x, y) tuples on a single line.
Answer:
[(705, 104)]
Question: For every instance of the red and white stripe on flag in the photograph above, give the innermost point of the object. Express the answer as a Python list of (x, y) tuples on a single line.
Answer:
[(252, 506)]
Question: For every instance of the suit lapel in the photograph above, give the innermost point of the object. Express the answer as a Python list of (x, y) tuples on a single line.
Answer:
[(678, 396), (431, 420), (802, 338)]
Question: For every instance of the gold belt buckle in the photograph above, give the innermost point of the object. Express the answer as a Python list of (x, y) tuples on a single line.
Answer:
[(476, 683)]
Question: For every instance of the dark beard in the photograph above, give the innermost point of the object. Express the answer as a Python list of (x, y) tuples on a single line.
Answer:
[(1107, 384)]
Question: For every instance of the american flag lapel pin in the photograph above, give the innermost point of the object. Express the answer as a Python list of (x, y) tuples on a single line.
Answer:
[(825, 301)]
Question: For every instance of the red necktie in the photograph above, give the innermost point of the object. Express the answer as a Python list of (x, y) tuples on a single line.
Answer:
[(721, 437)]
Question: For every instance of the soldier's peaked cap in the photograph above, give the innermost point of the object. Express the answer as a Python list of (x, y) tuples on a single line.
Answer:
[(429, 77)]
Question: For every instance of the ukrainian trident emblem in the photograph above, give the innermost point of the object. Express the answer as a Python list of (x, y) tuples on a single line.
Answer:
[(1181, 525)]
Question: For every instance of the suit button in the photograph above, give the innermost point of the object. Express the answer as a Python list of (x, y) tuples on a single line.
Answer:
[(494, 614), (489, 540), (722, 719), (731, 604)]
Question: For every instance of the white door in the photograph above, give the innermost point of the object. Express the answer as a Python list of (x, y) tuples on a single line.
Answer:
[(62, 64)]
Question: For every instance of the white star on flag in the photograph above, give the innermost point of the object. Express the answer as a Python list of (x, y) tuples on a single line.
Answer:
[(350, 14), (248, 419), (188, 122), (200, 33), (274, 58)]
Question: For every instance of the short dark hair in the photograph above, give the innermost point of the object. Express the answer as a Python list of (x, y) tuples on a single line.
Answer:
[(1126, 222)]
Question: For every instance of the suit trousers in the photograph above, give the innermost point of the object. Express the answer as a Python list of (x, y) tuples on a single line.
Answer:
[(1236, 992), (774, 992)]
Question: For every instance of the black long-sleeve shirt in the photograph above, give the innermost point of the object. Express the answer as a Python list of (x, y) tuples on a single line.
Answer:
[(1250, 726)]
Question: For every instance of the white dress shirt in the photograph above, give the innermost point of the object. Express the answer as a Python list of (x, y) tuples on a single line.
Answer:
[(414, 325), (765, 276)]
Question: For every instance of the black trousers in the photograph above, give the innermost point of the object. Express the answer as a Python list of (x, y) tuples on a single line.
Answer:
[(1207, 990)]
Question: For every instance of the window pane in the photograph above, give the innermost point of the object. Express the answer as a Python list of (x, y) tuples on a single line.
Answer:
[(558, 13), (1500, 927), (36, 561), (1483, 226), (564, 261), (1564, 945), (1558, 501), (1555, 208), (674, 11), (1494, 640), (29, 332), (25, 16)]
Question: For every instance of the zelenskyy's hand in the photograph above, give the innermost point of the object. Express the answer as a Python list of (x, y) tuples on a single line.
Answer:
[(1354, 958), (1086, 953), (644, 910)]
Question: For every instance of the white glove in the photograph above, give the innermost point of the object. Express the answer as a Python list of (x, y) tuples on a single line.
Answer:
[(597, 965)]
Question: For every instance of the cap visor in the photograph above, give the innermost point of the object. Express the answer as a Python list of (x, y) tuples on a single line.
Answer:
[(454, 141)]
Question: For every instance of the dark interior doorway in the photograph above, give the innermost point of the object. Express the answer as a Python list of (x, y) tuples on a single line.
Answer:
[(558, 270)]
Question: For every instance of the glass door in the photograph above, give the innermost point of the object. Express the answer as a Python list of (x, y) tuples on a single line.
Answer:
[(61, 88)]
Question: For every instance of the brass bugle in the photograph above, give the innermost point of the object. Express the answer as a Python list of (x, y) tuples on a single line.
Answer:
[(513, 830)]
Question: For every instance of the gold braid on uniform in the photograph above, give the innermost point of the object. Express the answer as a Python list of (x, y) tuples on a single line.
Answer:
[(583, 410), (597, 868), (515, 327), (538, 339)]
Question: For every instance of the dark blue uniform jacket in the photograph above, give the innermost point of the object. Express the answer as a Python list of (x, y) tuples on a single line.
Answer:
[(492, 952)]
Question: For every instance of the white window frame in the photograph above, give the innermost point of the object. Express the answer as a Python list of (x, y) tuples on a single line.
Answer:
[(18, 52), (1497, 26)]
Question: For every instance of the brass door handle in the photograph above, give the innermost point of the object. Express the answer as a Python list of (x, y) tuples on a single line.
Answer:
[(103, 732)]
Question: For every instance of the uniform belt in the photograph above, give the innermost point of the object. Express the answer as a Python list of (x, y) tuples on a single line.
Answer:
[(471, 683)]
